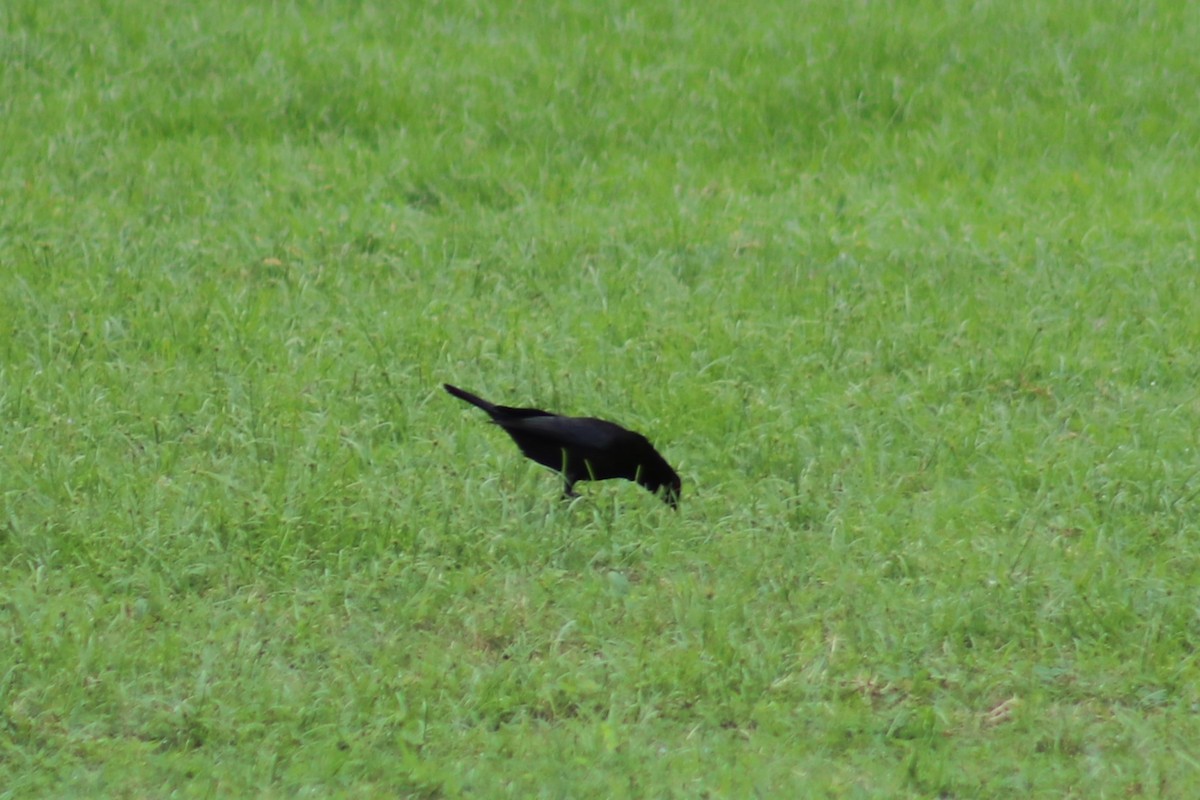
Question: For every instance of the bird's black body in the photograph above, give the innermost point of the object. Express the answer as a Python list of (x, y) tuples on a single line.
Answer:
[(582, 448)]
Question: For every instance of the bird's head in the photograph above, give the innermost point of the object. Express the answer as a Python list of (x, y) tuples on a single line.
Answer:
[(672, 491), (665, 483)]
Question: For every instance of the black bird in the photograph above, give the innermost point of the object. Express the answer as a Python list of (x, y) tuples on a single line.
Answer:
[(582, 448)]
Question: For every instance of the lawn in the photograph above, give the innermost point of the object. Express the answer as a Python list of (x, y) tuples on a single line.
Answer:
[(907, 292)]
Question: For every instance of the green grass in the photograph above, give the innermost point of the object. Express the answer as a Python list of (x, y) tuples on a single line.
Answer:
[(908, 293)]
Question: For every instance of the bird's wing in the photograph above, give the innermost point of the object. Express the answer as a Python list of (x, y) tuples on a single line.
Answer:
[(574, 432)]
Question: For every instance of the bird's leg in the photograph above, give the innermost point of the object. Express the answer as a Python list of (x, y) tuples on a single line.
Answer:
[(568, 478)]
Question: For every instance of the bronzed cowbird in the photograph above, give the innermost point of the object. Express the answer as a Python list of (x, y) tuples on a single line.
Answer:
[(582, 448)]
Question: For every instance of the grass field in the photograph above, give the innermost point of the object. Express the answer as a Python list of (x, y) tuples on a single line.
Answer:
[(908, 292)]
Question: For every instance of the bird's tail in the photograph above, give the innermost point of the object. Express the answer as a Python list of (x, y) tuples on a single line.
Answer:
[(474, 400)]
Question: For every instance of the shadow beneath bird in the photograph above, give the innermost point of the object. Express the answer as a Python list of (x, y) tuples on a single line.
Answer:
[(582, 448)]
